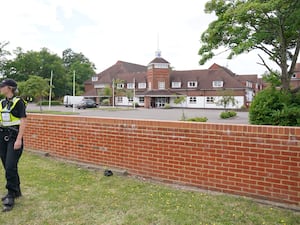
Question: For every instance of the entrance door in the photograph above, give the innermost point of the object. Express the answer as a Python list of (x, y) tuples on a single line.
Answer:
[(160, 102)]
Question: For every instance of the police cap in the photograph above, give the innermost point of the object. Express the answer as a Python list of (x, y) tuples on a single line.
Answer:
[(8, 82)]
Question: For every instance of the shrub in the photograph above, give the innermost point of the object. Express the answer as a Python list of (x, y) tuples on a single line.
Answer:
[(47, 103), (227, 114), (275, 107), (105, 102), (136, 104), (197, 119), (167, 106)]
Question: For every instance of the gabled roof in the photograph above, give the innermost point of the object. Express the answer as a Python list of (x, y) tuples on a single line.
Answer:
[(115, 71), (251, 77), (159, 60), (216, 66), (205, 78)]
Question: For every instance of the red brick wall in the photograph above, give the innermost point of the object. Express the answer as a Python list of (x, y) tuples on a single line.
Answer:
[(257, 161)]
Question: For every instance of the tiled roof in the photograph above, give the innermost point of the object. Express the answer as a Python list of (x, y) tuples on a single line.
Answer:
[(252, 78), (120, 70), (159, 60), (205, 78)]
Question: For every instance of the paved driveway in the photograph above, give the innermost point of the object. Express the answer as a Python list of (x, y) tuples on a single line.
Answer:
[(153, 114)]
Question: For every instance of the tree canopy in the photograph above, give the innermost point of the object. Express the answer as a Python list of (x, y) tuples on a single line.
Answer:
[(42, 63), (272, 26)]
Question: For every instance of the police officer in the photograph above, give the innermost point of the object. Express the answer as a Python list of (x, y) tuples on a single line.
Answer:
[(12, 126)]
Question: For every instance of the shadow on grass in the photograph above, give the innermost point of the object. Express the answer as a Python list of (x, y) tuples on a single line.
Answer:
[(55, 192)]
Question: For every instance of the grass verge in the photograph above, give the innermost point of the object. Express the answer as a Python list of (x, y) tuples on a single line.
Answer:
[(60, 193)]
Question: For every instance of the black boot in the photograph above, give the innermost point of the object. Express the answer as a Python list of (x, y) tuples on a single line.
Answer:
[(8, 203), (16, 194)]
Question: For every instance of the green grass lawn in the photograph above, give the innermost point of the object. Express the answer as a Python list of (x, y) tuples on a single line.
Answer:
[(60, 193)]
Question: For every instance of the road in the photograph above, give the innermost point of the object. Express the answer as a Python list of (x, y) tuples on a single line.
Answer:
[(174, 114)]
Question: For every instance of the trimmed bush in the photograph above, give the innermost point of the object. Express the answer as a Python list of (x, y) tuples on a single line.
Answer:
[(197, 119), (227, 114), (167, 106), (275, 107), (105, 102), (47, 103)]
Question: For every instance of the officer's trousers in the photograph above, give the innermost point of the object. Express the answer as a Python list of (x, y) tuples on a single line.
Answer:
[(10, 158)]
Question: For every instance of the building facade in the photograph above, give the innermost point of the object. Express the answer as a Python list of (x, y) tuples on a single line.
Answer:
[(157, 85)]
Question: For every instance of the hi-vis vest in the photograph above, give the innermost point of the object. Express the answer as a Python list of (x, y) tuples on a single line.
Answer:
[(7, 118)]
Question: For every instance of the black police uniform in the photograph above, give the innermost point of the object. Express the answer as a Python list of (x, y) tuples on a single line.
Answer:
[(9, 156)]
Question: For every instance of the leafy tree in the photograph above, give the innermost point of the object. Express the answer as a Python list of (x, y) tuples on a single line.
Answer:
[(3, 54), (272, 26), (36, 87), (179, 100), (82, 66), (227, 99), (39, 63)]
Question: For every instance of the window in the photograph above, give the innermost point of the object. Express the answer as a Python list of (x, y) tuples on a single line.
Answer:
[(161, 65), (100, 86), (161, 85), (192, 84), (94, 79), (294, 75), (141, 85), (120, 99), (210, 99), (176, 84), (130, 99), (141, 99), (192, 100), (120, 86), (218, 83), (248, 84), (130, 85)]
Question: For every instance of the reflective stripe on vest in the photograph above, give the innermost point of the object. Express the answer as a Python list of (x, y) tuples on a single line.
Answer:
[(7, 118)]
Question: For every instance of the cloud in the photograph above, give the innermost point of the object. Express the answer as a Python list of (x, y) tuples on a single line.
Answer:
[(108, 31)]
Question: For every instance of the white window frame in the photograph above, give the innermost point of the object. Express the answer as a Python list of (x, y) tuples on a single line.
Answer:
[(120, 99), (161, 85), (142, 85), (210, 99), (94, 78), (192, 100), (218, 83), (141, 99), (130, 86), (120, 85), (176, 84), (192, 84)]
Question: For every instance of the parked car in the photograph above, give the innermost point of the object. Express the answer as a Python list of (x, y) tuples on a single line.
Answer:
[(86, 103)]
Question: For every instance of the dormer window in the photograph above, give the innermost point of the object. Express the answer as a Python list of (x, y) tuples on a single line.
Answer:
[(120, 86), (192, 84), (94, 79), (141, 85), (248, 84), (176, 84), (218, 83), (130, 85)]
